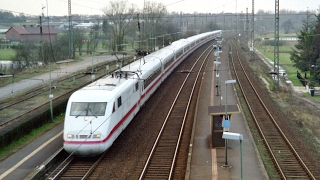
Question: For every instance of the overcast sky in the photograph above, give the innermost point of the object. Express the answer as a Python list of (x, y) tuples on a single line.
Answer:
[(91, 7)]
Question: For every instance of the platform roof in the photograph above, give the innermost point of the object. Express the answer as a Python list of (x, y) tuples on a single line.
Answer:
[(220, 109)]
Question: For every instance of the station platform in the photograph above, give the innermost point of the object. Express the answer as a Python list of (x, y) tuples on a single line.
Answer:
[(207, 162)]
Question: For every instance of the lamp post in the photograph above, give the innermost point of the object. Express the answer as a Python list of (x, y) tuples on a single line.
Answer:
[(117, 52), (232, 81), (65, 61), (226, 121), (154, 49), (133, 46), (50, 94), (8, 75), (164, 36), (217, 63), (51, 87), (178, 35), (162, 40), (235, 136)]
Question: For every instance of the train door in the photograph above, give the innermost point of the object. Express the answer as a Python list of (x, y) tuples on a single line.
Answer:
[(141, 91)]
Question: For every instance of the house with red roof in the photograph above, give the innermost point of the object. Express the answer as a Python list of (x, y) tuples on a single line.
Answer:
[(32, 33)]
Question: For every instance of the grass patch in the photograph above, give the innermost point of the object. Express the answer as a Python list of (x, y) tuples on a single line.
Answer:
[(7, 54), (3, 27), (317, 98), (284, 61), (16, 145)]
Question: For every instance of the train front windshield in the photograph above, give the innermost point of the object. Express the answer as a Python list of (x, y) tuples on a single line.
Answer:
[(88, 109)]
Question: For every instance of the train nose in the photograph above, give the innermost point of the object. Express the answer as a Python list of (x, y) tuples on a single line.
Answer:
[(82, 150), (83, 143)]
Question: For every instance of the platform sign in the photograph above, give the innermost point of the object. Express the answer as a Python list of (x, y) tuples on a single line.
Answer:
[(226, 123)]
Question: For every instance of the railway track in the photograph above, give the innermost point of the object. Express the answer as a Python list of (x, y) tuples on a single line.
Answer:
[(290, 161), (173, 158), (161, 161), (74, 167)]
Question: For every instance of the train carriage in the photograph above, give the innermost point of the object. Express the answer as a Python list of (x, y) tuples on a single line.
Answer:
[(98, 113)]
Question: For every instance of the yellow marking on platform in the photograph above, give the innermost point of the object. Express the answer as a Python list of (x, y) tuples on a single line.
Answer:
[(213, 151), (214, 164)]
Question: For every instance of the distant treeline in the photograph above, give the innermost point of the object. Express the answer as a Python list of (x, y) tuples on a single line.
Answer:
[(8, 17)]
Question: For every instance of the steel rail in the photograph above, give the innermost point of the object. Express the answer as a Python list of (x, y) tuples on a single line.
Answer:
[(152, 152), (25, 97), (292, 149)]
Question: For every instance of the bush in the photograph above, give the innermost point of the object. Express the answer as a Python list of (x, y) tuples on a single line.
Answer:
[(272, 43)]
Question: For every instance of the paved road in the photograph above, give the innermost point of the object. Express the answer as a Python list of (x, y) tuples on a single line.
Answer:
[(65, 69)]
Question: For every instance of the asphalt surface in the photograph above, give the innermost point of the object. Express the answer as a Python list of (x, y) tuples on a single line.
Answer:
[(65, 68)]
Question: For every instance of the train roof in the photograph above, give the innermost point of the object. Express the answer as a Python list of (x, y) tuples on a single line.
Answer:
[(108, 83), (90, 96), (139, 67)]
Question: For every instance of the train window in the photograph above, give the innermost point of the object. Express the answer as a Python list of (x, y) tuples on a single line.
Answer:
[(114, 107), (88, 109), (136, 86), (119, 101), (152, 77)]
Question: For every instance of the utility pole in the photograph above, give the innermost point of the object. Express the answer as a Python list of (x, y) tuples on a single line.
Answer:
[(252, 33), (41, 41), (139, 32), (237, 21), (224, 19), (70, 31), (195, 23), (247, 25), (276, 47), (181, 22)]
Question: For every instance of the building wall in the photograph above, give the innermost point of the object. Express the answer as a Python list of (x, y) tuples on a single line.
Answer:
[(37, 37), (13, 35)]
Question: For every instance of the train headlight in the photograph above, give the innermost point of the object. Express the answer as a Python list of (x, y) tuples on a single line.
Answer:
[(71, 136), (86, 118), (96, 136)]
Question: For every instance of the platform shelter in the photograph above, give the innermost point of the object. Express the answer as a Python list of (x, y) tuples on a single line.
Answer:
[(217, 114)]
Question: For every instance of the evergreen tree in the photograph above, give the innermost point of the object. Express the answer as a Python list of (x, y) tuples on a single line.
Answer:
[(303, 52), (316, 50), (316, 39)]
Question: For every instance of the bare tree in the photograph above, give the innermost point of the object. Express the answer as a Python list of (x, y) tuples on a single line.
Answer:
[(153, 21), (78, 37), (120, 15), (287, 25)]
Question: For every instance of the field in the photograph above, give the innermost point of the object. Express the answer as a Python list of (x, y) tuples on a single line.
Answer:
[(6, 54), (284, 61)]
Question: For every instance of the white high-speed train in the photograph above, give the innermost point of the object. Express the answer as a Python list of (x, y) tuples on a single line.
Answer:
[(97, 113)]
